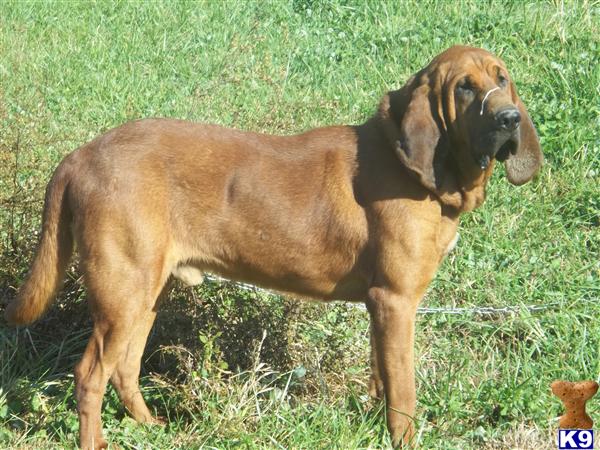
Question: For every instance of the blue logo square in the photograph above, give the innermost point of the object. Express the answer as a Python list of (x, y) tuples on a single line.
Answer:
[(575, 439)]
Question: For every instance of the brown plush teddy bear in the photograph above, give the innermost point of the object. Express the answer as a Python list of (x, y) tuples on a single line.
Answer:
[(574, 396)]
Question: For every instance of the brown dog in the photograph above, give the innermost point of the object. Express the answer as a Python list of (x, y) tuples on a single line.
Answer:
[(362, 213)]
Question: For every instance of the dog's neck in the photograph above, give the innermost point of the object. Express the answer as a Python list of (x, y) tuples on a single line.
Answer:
[(471, 185), (460, 190)]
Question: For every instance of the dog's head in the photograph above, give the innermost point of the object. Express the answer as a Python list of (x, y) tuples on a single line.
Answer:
[(460, 114)]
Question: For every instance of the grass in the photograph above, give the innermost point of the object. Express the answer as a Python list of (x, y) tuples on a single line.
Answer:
[(69, 71)]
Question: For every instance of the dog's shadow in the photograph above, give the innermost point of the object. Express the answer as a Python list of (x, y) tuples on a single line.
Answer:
[(221, 325), (217, 329)]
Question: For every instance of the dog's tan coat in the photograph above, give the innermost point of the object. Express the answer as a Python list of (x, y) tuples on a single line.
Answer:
[(361, 213)]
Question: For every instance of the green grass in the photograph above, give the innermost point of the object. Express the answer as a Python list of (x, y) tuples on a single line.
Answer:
[(69, 71)]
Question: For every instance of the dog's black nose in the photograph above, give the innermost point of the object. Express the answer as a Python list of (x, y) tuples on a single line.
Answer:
[(508, 119)]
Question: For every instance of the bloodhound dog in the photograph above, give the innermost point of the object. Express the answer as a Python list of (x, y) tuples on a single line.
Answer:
[(362, 213)]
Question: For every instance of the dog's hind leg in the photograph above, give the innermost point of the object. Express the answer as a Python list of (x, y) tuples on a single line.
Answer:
[(122, 294), (105, 348), (125, 378)]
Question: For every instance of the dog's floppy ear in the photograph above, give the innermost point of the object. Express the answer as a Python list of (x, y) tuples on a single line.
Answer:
[(527, 159), (421, 145)]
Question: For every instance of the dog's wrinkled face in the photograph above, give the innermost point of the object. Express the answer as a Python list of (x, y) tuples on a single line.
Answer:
[(461, 111), (486, 115)]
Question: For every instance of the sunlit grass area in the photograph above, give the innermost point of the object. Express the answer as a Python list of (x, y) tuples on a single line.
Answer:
[(232, 368)]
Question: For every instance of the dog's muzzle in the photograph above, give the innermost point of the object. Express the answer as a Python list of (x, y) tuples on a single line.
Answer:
[(503, 140), (508, 118)]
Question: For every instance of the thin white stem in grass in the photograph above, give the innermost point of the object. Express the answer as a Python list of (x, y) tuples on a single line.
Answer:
[(485, 98)]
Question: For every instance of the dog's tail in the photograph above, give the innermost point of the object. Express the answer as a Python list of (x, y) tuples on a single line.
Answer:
[(52, 256)]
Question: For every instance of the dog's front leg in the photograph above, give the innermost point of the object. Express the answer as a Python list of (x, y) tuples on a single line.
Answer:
[(375, 382), (392, 328)]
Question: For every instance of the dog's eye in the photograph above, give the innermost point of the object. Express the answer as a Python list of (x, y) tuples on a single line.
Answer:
[(502, 81), (465, 86)]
